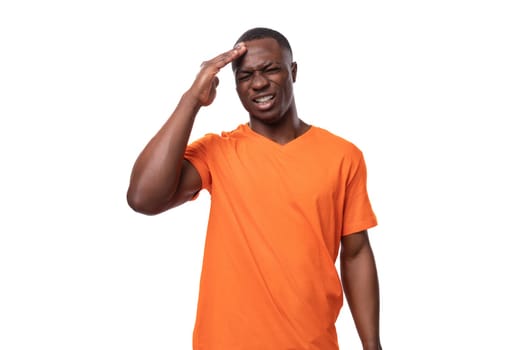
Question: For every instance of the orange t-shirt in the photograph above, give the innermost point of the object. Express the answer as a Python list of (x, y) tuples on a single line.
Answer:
[(277, 216)]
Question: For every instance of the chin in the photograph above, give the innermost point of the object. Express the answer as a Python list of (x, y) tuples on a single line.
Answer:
[(267, 119)]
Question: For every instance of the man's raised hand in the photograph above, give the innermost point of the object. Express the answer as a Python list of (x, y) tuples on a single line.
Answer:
[(204, 88)]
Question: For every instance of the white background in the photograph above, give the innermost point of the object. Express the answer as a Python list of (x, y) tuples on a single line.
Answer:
[(431, 91)]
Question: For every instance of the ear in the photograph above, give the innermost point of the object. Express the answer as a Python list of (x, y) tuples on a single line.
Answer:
[(294, 71)]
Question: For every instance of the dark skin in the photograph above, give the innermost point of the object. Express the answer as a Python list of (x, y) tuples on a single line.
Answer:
[(264, 74), (361, 287)]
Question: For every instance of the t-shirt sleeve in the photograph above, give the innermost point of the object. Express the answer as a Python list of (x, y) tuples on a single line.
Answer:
[(358, 214), (198, 154)]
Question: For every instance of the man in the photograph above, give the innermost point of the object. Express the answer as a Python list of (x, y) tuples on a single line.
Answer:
[(285, 197)]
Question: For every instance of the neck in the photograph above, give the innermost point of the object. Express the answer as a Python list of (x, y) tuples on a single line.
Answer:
[(283, 131)]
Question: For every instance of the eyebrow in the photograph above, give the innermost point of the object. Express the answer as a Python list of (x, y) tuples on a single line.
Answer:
[(249, 70)]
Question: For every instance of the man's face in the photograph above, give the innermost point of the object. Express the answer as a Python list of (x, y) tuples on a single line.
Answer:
[(264, 77)]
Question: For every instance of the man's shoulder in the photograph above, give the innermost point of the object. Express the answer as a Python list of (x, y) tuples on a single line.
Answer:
[(221, 136), (335, 140), (239, 131)]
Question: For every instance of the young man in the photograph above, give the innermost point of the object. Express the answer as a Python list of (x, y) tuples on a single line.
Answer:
[(285, 197)]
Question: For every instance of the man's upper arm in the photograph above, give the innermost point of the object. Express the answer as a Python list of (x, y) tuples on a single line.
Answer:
[(190, 184)]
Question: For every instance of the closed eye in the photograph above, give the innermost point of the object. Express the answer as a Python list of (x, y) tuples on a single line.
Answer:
[(243, 76), (268, 69)]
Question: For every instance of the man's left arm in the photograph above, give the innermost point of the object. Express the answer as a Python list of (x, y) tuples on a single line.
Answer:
[(361, 287)]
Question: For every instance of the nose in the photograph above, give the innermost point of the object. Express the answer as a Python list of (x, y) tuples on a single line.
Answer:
[(259, 81)]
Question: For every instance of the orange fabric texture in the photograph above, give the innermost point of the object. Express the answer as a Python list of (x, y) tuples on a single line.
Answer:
[(277, 215)]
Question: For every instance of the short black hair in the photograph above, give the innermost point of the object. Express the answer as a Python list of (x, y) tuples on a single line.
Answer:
[(262, 33)]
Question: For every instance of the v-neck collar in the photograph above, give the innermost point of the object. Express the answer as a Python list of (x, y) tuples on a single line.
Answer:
[(247, 129)]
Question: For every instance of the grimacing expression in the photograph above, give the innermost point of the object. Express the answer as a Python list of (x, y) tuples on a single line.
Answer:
[(264, 78)]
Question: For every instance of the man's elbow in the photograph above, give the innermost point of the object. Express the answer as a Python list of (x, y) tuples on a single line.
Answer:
[(139, 203)]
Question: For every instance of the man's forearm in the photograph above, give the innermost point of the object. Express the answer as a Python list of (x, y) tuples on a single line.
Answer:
[(361, 287), (156, 172)]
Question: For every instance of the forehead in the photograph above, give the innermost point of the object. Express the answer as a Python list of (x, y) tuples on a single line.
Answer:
[(261, 52)]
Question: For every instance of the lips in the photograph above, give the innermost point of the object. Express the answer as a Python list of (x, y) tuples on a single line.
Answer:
[(263, 102), (263, 99)]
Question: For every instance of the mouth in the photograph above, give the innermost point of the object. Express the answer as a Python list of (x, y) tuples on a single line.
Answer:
[(264, 101)]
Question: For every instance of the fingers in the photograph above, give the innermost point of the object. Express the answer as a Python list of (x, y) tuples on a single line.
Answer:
[(205, 84), (226, 57)]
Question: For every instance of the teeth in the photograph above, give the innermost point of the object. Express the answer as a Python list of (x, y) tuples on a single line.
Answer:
[(263, 99)]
